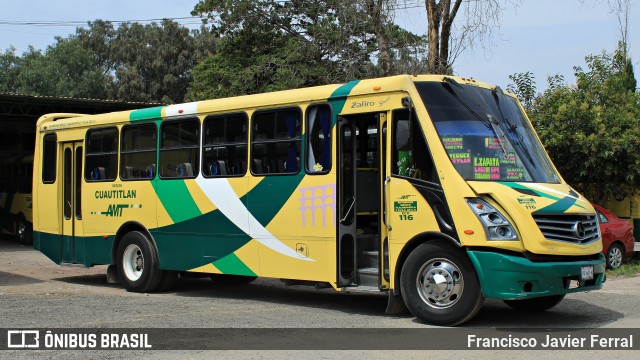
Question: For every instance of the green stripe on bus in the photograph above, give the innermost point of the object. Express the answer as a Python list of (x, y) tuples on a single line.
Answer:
[(268, 197), (231, 264), (339, 98), (559, 206), (176, 199), (146, 114)]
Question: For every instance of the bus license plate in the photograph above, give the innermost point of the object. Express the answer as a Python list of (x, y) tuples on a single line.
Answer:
[(586, 273)]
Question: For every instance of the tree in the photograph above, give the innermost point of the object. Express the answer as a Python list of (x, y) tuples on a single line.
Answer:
[(9, 68), (446, 41), (591, 129), (146, 62), (524, 87), (64, 69), (272, 45)]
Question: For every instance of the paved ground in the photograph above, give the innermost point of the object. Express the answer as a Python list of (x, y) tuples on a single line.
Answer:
[(34, 292)]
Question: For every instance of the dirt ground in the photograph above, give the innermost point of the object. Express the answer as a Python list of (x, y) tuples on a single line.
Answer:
[(36, 293)]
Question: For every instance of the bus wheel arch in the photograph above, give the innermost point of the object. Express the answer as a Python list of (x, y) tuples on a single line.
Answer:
[(412, 245), (439, 283), (138, 263), (127, 228)]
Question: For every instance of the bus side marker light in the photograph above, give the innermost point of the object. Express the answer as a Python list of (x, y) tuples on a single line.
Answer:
[(377, 88), (468, 232), (104, 236)]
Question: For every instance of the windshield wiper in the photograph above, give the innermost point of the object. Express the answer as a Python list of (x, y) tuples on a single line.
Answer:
[(497, 94), (458, 91)]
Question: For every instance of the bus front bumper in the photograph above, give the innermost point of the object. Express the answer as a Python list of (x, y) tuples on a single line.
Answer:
[(508, 277)]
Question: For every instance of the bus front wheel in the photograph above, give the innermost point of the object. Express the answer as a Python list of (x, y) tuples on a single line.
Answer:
[(439, 285), (138, 264)]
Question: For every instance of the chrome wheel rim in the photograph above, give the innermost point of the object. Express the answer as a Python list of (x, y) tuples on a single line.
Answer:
[(133, 262), (615, 257), (439, 283)]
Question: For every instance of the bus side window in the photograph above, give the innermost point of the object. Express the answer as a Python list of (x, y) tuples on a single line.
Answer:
[(180, 148), (49, 155), (276, 142), (225, 145), (411, 156), (138, 152), (318, 139), (101, 162)]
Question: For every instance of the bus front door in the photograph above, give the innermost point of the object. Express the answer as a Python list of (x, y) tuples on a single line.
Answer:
[(346, 202), (360, 229), (72, 251)]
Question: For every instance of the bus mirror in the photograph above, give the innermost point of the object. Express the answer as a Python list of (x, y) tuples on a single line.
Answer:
[(402, 135)]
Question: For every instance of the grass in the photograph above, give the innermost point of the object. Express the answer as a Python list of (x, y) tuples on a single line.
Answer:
[(628, 269)]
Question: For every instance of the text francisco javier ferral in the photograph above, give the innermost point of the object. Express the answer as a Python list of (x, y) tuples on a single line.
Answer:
[(594, 341)]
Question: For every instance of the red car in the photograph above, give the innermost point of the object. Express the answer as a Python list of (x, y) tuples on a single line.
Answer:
[(617, 237)]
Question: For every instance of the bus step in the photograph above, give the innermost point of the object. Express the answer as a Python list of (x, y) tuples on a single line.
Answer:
[(371, 258), (72, 264), (368, 276), (368, 289)]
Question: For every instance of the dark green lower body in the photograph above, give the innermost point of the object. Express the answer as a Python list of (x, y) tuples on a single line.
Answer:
[(511, 277)]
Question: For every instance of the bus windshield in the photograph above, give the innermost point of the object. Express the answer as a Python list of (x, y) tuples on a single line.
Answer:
[(485, 133)]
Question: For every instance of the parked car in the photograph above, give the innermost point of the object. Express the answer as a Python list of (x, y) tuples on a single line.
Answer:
[(617, 237)]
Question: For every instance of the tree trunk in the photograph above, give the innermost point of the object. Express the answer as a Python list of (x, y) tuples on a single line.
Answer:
[(384, 57), (440, 18)]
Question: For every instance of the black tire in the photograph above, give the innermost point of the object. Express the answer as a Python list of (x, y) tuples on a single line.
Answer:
[(535, 304), (231, 280), (615, 255), (138, 265), (23, 231), (461, 298), (168, 280)]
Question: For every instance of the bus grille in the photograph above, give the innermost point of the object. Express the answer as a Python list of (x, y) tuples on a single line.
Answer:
[(579, 229)]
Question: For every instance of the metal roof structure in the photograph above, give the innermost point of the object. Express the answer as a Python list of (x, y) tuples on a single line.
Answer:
[(30, 106)]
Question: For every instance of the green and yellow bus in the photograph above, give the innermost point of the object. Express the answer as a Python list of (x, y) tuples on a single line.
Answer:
[(434, 189), (16, 174)]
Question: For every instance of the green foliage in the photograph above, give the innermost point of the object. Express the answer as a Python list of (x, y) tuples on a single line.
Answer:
[(146, 62), (632, 268), (591, 129), (9, 70), (524, 87), (271, 45), (65, 69), (134, 62)]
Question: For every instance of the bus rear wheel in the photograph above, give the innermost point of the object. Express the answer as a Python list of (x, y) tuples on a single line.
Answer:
[(23, 231), (535, 304), (138, 264), (439, 285)]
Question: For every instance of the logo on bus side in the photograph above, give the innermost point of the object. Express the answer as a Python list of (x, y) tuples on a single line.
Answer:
[(528, 203), (405, 208), (315, 198), (115, 210)]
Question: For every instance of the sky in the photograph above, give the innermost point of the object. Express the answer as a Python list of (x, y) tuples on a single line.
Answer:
[(544, 37)]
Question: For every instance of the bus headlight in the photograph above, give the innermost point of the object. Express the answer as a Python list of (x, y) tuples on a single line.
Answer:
[(496, 225)]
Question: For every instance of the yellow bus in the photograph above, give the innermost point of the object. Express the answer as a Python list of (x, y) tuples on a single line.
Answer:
[(434, 189), (15, 197)]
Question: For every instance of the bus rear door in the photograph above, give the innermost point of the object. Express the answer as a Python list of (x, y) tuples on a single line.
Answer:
[(72, 251)]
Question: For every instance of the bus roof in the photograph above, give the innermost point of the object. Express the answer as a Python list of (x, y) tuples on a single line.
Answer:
[(271, 99)]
